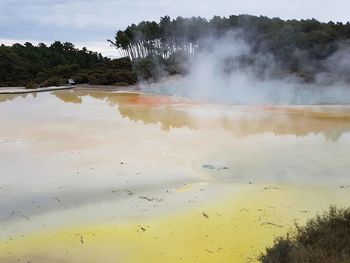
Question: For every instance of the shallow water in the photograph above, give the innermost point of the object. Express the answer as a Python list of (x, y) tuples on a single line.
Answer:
[(91, 176)]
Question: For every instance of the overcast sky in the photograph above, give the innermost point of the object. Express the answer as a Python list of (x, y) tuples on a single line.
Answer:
[(90, 22)]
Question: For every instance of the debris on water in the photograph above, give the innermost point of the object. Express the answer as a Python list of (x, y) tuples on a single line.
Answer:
[(150, 199), (58, 200), (344, 186), (205, 215), (212, 167), (81, 240), (143, 229), (208, 166), (146, 198), (129, 192), (272, 224), (212, 252), (271, 188), (249, 260), (26, 217)]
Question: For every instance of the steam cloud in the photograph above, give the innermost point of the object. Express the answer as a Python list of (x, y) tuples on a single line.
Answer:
[(218, 72)]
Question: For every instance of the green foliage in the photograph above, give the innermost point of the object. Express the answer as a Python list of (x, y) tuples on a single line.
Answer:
[(177, 63), (33, 66), (285, 40), (52, 81), (81, 78), (150, 50), (145, 68), (323, 239), (112, 77)]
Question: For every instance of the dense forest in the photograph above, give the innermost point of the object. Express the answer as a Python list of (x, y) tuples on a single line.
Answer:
[(41, 65), (151, 49), (266, 35), (297, 47)]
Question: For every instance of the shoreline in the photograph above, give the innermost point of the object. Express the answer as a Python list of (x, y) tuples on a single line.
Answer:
[(86, 86), (21, 90)]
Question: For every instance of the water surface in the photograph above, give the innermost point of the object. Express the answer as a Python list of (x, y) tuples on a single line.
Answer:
[(91, 176)]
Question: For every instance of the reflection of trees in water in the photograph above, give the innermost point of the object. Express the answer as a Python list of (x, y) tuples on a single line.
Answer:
[(167, 116), (131, 106), (11, 97), (68, 97), (78, 95), (279, 121), (289, 124)]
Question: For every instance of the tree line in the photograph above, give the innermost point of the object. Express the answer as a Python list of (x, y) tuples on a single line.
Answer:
[(41, 65), (298, 46), (152, 49)]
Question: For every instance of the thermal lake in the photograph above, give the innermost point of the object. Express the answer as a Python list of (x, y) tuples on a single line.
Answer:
[(97, 176)]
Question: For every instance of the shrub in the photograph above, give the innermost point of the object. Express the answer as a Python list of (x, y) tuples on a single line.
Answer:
[(31, 85), (121, 84), (95, 79), (53, 81), (324, 239), (81, 78)]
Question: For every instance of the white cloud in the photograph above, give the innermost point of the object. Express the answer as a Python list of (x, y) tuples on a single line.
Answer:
[(97, 46)]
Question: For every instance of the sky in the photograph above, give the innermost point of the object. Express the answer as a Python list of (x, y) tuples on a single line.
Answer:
[(91, 22)]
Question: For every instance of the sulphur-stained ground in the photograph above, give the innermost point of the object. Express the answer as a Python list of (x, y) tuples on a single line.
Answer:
[(94, 176)]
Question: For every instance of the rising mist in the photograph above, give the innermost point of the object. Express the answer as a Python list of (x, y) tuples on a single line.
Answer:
[(227, 70)]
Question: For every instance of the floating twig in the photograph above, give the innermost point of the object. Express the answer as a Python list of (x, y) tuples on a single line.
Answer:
[(272, 224), (205, 215)]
